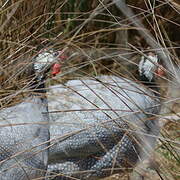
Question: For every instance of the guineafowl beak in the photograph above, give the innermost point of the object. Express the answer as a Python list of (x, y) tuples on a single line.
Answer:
[(56, 69)]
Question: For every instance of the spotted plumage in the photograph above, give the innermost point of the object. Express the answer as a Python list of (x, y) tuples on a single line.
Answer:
[(24, 130), (100, 125)]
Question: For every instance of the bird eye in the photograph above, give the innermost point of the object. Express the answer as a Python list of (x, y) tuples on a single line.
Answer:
[(56, 53)]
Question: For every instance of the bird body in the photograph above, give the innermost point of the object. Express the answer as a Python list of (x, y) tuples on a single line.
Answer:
[(24, 140), (24, 129), (89, 117)]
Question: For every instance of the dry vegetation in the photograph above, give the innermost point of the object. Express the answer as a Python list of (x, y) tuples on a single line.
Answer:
[(96, 33)]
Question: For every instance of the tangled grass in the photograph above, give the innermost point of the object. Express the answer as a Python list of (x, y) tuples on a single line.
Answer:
[(98, 40)]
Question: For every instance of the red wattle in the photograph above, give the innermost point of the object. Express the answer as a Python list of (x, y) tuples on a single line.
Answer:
[(160, 71), (56, 69)]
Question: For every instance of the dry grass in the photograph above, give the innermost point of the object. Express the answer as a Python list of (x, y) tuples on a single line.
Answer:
[(93, 30)]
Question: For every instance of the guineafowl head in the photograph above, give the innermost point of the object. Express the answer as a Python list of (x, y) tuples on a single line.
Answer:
[(45, 61), (149, 66), (48, 60)]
